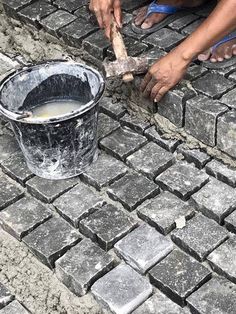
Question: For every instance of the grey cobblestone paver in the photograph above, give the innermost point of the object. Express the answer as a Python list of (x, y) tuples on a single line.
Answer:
[(196, 156), (230, 222), (199, 237), (163, 211), (106, 125), (215, 200), (70, 5), (132, 189), (114, 110), (5, 296), (222, 172), (8, 146), (122, 289), (13, 308), (137, 124), (79, 268), (143, 248)]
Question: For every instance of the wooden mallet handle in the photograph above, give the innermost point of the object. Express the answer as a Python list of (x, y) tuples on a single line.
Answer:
[(119, 49)]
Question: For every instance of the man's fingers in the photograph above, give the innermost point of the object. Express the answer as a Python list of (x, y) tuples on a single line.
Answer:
[(107, 23), (149, 87), (118, 13), (161, 93), (145, 81), (155, 90), (99, 18)]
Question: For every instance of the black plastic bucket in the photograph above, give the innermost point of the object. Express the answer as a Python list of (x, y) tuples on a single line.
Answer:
[(60, 147)]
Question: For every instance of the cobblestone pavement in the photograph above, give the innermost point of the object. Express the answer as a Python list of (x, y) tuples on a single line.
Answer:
[(148, 228)]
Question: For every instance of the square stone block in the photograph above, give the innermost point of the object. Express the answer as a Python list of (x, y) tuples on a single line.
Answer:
[(135, 123), (14, 308), (97, 45), (230, 222), (115, 110), (5, 296), (196, 156), (229, 99), (106, 125), (70, 5), (8, 146), (222, 172)]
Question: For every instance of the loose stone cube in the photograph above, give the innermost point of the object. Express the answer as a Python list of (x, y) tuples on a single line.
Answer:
[(215, 200), (84, 13), (33, 13), (77, 203), (233, 76), (172, 105), (178, 275), (8, 146), (192, 27), (200, 237), (122, 289), (104, 171), (23, 216), (226, 133), (194, 72), (57, 20), (51, 240), (183, 21), (107, 225), (223, 259), (162, 303), (143, 248), (196, 156), (216, 296), (213, 85), (48, 190), (153, 135), (182, 179), (106, 125), (96, 45), (9, 193), (151, 160), (163, 211), (75, 32), (133, 47), (16, 167), (164, 39), (201, 118), (12, 6), (5, 296), (132, 190), (14, 308), (113, 109), (135, 123), (70, 5), (122, 143), (230, 222), (229, 99), (222, 172), (82, 265)]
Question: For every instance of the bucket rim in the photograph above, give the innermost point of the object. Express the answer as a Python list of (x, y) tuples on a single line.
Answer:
[(92, 103)]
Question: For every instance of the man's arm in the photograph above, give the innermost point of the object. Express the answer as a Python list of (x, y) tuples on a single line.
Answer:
[(169, 70)]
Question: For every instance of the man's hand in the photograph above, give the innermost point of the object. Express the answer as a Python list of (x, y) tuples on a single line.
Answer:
[(163, 75), (104, 11)]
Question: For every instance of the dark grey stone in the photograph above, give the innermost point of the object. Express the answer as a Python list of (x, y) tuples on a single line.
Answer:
[(182, 179), (14, 308), (74, 33), (216, 296), (70, 5), (9, 192), (223, 259), (132, 190), (78, 203), (122, 142), (215, 200), (201, 118), (97, 45), (22, 217), (196, 156), (164, 39), (12, 6), (178, 275), (135, 123), (84, 13), (104, 171), (48, 190), (122, 289), (222, 172), (143, 248), (159, 302), (5, 296), (8, 146), (230, 222), (151, 160), (206, 9), (82, 265), (130, 5), (153, 135), (106, 125), (33, 13), (192, 27), (172, 105), (16, 167), (57, 20), (213, 85), (127, 31), (51, 240), (232, 76), (229, 99), (195, 71), (226, 133), (199, 237), (163, 211), (113, 109), (183, 21), (107, 226)]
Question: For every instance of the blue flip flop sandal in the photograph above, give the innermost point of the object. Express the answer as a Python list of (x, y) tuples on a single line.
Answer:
[(158, 8), (225, 63)]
